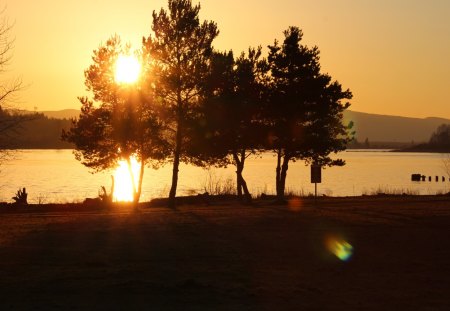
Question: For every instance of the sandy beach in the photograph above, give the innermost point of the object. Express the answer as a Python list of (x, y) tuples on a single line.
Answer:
[(362, 253)]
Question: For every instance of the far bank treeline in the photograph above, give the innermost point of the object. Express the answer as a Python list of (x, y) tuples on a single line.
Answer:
[(439, 142), (28, 130), (195, 104)]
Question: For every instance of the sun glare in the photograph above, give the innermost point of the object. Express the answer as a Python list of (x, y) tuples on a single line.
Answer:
[(128, 69), (123, 189)]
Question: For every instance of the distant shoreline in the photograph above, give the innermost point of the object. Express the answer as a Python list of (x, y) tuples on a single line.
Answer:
[(425, 148)]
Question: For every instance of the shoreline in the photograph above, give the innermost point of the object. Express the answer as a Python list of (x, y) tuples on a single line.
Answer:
[(217, 200)]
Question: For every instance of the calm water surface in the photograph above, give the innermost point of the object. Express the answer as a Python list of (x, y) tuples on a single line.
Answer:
[(55, 176)]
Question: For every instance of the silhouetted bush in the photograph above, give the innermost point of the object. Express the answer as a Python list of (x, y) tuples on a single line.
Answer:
[(21, 197)]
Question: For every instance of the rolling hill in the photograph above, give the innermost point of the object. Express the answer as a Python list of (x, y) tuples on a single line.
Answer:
[(61, 114), (385, 128)]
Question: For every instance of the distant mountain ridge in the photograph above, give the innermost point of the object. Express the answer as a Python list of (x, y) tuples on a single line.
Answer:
[(385, 128), (61, 114), (374, 127)]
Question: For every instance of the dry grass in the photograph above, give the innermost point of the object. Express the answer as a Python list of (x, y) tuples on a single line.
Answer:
[(392, 191), (215, 185)]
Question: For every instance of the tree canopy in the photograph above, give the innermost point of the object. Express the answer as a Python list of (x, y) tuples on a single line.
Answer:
[(196, 105), (122, 126), (178, 53), (232, 108), (304, 110)]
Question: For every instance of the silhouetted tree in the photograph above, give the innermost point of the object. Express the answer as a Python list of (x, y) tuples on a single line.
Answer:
[(206, 143), (440, 141), (231, 110), (123, 125), (441, 137), (305, 107), (179, 49), (9, 121)]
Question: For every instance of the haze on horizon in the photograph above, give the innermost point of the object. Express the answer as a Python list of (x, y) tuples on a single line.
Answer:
[(393, 55)]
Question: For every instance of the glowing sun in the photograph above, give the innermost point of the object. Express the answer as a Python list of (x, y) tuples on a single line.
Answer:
[(127, 69), (123, 189)]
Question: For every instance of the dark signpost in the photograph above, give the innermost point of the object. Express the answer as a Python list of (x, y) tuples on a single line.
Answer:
[(316, 176)]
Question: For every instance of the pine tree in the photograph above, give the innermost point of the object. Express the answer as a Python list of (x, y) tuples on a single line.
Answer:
[(119, 123), (305, 107), (232, 109), (178, 53)]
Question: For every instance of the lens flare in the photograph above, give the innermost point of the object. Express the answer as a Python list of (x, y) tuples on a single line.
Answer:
[(295, 204), (340, 248)]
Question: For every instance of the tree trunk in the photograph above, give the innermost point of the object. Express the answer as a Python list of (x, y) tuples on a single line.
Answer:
[(284, 169), (176, 160), (281, 173), (176, 164), (238, 182), (139, 188), (239, 169), (242, 184), (278, 173), (247, 195)]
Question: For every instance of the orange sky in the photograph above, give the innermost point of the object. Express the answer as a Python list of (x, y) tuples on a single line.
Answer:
[(393, 54)]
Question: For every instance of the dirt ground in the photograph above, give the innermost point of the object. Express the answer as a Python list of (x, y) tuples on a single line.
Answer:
[(395, 254)]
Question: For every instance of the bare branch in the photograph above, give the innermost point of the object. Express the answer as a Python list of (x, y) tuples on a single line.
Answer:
[(10, 121), (9, 92), (6, 42)]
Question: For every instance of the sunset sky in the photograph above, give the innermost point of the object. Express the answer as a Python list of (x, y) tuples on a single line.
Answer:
[(393, 54)]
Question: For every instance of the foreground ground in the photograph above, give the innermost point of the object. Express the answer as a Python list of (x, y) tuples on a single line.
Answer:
[(229, 257)]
